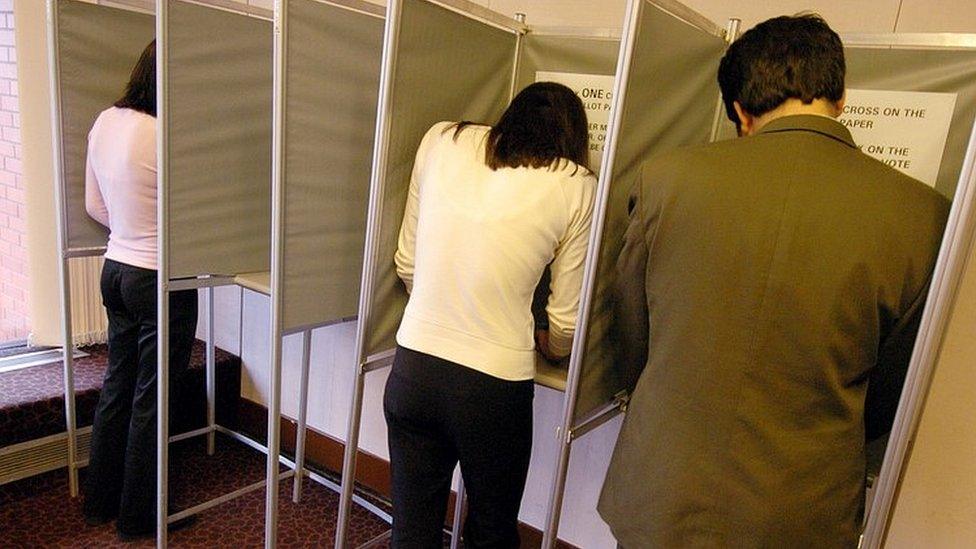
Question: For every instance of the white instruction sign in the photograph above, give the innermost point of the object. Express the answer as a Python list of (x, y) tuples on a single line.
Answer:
[(905, 130), (596, 91)]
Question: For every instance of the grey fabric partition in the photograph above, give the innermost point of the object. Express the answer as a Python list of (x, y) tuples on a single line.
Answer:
[(98, 47), (332, 84), (924, 70), (448, 67), (670, 98), (558, 53), (219, 122)]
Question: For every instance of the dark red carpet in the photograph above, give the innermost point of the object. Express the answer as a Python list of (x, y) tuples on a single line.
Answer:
[(32, 399), (38, 512)]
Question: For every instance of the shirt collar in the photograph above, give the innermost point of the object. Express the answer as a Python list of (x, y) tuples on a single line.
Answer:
[(822, 125)]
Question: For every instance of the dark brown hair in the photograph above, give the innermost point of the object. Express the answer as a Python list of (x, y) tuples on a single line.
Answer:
[(140, 93), (786, 57), (544, 126)]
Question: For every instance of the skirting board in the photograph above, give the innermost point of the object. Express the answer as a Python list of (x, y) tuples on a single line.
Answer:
[(324, 451)]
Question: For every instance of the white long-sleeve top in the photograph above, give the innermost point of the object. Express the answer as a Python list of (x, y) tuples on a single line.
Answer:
[(120, 184), (472, 248)]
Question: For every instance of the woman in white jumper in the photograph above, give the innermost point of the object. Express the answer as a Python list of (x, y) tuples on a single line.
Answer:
[(120, 193), (488, 209)]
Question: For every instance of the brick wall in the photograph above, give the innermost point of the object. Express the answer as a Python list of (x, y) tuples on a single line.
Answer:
[(14, 315)]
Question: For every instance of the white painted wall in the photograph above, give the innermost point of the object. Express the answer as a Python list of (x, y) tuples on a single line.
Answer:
[(35, 116), (333, 352), (936, 507)]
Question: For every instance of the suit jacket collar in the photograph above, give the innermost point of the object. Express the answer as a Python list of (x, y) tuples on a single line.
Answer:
[(811, 123)]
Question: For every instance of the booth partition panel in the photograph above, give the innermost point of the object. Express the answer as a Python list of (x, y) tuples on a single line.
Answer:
[(330, 123), (668, 100), (448, 66), (587, 64), (219, 164), (906, 69), (566, 53), (98, 46)]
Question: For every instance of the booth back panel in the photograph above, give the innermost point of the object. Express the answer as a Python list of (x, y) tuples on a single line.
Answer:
[(332, 84), (920, 70), (571, 54), (219, 165), (670, 101), (448, 67), (98, 47)]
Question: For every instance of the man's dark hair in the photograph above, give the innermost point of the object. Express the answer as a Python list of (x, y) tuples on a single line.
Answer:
[(796, 57), (544, 124), (140, 93)]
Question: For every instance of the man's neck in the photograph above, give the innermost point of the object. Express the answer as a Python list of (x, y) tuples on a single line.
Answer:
[(792, 107)]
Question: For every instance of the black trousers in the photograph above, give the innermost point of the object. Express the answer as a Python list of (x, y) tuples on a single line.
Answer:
[(121, 477), (439, 413)]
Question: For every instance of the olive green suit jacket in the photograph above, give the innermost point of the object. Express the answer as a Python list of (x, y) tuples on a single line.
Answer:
[(770, 287)]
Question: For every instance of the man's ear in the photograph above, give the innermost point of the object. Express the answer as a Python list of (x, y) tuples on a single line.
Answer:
[(840, 104), (747, 122)]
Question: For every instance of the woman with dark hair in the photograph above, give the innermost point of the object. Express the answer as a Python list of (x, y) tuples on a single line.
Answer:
[(488, 209), (120, 193)]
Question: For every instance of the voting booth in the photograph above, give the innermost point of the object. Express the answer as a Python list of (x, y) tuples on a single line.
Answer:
[(214, 157), (229, 103), (911, 103), (326, 79), (475, 52), (215, 192), (666, 95), (92, 49), (275, 201), (426, 33)]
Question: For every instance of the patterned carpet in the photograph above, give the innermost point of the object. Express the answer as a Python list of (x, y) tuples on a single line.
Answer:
[(37, 512)]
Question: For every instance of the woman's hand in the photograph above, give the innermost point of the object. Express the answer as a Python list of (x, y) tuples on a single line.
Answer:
[(542, 345)]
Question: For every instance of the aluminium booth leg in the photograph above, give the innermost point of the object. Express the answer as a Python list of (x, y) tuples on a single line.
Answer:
[(162, 412), (349, 457), (211, 375), (71, 425), (302, 417), (550, 534), (458, 512), (274, 443), (63, 266)]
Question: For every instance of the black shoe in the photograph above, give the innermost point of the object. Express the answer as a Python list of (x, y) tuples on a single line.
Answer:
[(136, 535)]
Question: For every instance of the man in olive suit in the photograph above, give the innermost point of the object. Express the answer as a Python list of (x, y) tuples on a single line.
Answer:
[(771, 288)]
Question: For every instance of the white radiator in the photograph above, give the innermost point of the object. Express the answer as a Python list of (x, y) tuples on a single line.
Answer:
[(88, 321)]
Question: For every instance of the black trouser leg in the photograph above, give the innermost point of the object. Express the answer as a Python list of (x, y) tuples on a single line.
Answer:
[(437, 412), (103, 485), (138, 509), (121, 476), (493, 433), (422, 461)]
